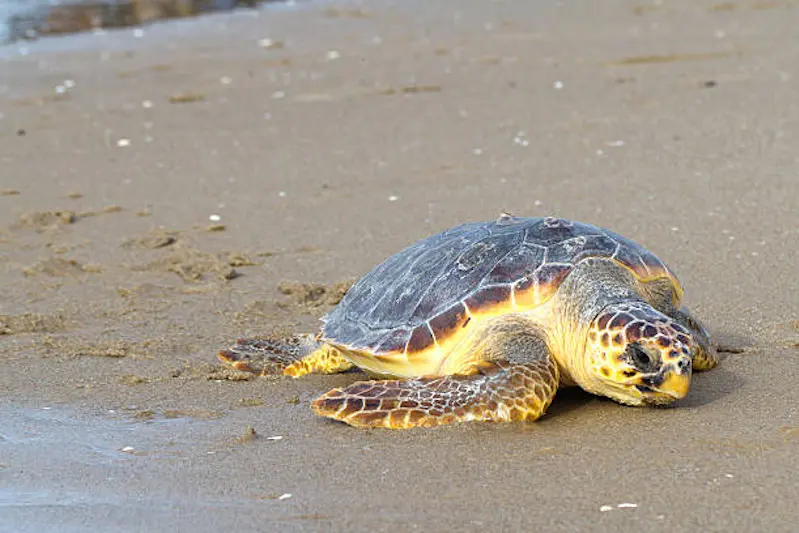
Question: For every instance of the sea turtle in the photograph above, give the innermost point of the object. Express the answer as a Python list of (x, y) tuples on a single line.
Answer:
[(485, 321)]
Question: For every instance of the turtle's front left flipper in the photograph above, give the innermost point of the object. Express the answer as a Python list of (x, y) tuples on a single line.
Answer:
[(497, 391), (705, 356), (294, 356)]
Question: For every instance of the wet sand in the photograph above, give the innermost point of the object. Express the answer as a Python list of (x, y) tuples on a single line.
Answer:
[(159, 186)]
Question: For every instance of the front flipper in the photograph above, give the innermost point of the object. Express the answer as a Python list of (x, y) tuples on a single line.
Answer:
[(706, 356), (293, 356), (497, 391)]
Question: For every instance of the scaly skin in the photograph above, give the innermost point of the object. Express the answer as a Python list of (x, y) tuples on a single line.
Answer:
[(323, 360), (285, 356), (705, 357), (602, 330), (634, 344), (496, 391)]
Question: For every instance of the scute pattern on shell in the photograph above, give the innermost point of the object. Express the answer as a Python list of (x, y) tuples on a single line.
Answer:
[(401, 297)]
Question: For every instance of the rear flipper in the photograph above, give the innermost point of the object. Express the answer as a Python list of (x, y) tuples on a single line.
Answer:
[(496, 391), (706, 356), (292, 356)]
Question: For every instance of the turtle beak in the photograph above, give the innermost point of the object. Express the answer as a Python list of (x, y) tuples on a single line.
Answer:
[(670, 384), (676, 379), (675, 385)]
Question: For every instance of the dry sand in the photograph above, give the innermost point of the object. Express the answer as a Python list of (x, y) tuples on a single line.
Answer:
[(355, 130)]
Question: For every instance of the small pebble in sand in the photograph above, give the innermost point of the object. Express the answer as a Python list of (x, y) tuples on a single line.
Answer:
[(333, 54), (224, 80), (270, 44), (627, 505), (122, 143), (521, 139), (214, 218), (285, 496), (675, 228), (600, 152), (538, 203), (147, 104), (276, 437), (605, 508), (60, 89), (729, 476), (277, 95), (282, 194), (127, 449), (393, 198), (478, 151), (185, 98), (558, 84)]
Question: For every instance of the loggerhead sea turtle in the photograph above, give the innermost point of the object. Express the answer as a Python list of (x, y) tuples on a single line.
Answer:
[(485, 321)]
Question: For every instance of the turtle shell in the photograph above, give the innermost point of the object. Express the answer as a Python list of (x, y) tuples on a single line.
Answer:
[(431, 290)]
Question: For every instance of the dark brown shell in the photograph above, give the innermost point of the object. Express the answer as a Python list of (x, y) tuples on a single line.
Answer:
[(428, 291)]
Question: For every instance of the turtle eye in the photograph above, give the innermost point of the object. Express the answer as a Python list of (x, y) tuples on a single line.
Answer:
[(639, 358)]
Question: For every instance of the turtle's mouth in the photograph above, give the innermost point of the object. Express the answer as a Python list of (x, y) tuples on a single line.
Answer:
[(654, 397), (670, 383), (664, 387)]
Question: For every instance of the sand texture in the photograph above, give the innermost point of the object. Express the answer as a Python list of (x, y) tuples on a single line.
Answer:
[(166, 191)]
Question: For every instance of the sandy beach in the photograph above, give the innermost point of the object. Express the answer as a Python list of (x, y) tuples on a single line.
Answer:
[(167, 189)]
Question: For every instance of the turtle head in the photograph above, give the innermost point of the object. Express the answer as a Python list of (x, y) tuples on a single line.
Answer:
[(639, 356)]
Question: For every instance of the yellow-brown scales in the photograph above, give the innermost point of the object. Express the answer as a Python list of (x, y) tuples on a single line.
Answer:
[(486, 321)]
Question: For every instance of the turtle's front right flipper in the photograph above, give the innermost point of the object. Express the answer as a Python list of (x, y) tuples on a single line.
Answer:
[(496, 391), (293, 356)]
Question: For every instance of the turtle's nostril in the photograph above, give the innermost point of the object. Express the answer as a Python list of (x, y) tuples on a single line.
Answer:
[(684, 365), (642, 360)]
